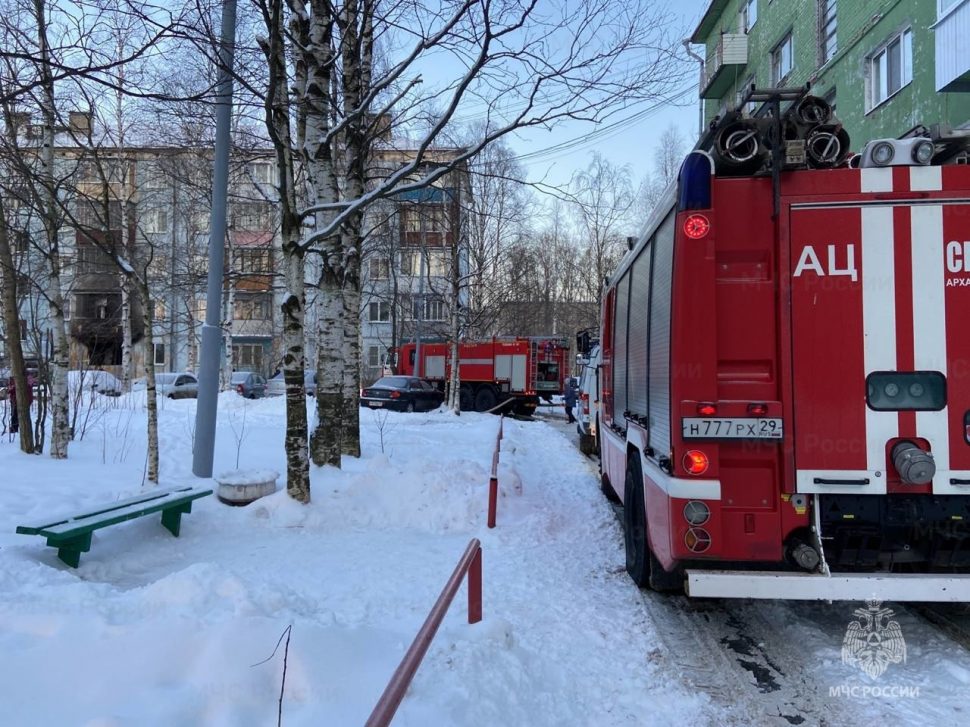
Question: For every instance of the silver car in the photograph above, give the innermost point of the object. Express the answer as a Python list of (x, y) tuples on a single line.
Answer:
[(177, 386), (276, 386), (248, 384)]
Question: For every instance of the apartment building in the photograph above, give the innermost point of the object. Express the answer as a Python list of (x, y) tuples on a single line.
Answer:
[(885, 65)]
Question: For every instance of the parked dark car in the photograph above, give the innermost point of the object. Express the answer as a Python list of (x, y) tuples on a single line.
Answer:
[(248, 384), (402, 393)]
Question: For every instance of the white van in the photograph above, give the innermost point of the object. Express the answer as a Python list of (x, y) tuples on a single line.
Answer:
[(588, 403)]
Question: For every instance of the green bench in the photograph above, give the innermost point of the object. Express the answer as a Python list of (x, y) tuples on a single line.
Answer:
[(72, 535)]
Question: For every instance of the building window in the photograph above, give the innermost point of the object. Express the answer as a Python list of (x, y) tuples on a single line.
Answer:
[(155, 220), (434, 309), (261, 172), (439, 262), (253, 308), (751, 106), (379, 268), (411, 262), (749, 14), (890, 67), (153, 177), (248, 356), (159, 354), (827, 43), (781, 60), (160, 311), (373, 356), (252, 216), (412, 219), (259, 261), (379, 312), (200, 220)]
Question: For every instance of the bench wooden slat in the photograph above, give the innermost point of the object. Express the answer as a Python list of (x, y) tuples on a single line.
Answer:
[(58, 520), (112, 516), (72, 535)]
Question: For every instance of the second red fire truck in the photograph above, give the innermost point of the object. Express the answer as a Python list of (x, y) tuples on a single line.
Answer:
[(520, 371)]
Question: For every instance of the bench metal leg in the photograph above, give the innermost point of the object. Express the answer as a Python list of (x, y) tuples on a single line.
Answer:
[(70, 550), (172, 517)]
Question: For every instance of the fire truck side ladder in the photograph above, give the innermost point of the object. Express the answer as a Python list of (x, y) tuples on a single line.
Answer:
[(532, 383)]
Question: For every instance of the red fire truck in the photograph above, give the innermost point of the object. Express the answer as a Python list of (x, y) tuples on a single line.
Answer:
[(518, 370), (786, 369)]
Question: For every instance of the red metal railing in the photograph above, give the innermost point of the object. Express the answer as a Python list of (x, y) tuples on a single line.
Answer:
[(493, 480), (470, 564)]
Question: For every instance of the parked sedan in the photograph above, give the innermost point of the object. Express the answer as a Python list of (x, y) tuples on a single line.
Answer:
[(177, 386), (276, 386), (402, 393), (248, 384)]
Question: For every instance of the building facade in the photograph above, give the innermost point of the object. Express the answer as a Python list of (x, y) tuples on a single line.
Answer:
[(415, 265), (151, 205), (885, 65)]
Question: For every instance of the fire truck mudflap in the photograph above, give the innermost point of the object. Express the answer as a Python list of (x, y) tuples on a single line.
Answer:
[(787, 585)]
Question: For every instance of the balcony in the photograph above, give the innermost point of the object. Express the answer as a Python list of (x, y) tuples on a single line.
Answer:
[(952, 49), (724, 65)]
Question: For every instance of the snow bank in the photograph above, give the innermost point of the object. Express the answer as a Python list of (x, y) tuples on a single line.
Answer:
[(153, 630)]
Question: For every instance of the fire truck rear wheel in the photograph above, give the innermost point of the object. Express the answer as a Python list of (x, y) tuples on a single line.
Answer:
[(466, 398), (485, 399), (641, 564)]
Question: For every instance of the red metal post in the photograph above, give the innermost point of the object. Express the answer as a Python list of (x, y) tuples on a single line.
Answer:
[(475, 588), (492, 500), (493, 480), (470, 564)]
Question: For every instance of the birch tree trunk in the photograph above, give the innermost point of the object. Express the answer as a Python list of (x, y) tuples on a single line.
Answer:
[(350, 420), (60, 420), (278, 113), (148, 317), (317, 66), (11, 325)]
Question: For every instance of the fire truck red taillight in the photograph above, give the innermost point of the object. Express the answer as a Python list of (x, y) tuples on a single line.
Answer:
[(706, 409), (696, 227), (758, 410), (696, 462)]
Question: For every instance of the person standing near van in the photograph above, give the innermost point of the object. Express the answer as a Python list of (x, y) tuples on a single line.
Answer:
[(569, 399)]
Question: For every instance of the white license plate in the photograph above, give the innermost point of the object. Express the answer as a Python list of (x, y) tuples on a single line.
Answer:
[(375, 404), (741, 428)]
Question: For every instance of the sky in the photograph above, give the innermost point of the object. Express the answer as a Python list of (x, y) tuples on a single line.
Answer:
[(631, 142)]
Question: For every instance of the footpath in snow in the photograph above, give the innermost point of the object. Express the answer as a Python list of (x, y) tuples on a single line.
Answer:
[(154, 630)]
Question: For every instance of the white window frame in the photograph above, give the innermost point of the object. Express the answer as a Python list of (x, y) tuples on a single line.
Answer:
[(434, 310), (156, 220), (373, 356), (261, 172), (878, 90), (778, 72), (378, 268), (749, 14), (379, 311), (824, 20), (159, 349)]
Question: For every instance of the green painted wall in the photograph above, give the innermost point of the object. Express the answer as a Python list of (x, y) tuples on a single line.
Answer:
[(862, 27)]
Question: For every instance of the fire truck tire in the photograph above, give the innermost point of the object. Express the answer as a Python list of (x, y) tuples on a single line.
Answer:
[(641, 563), (485, 399), (466, 398), (635, 526)]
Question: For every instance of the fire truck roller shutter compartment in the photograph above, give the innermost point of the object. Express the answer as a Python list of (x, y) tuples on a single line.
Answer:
[(877, 308)]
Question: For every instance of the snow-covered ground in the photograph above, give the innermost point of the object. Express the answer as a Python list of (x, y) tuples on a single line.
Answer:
[(154, 630)]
